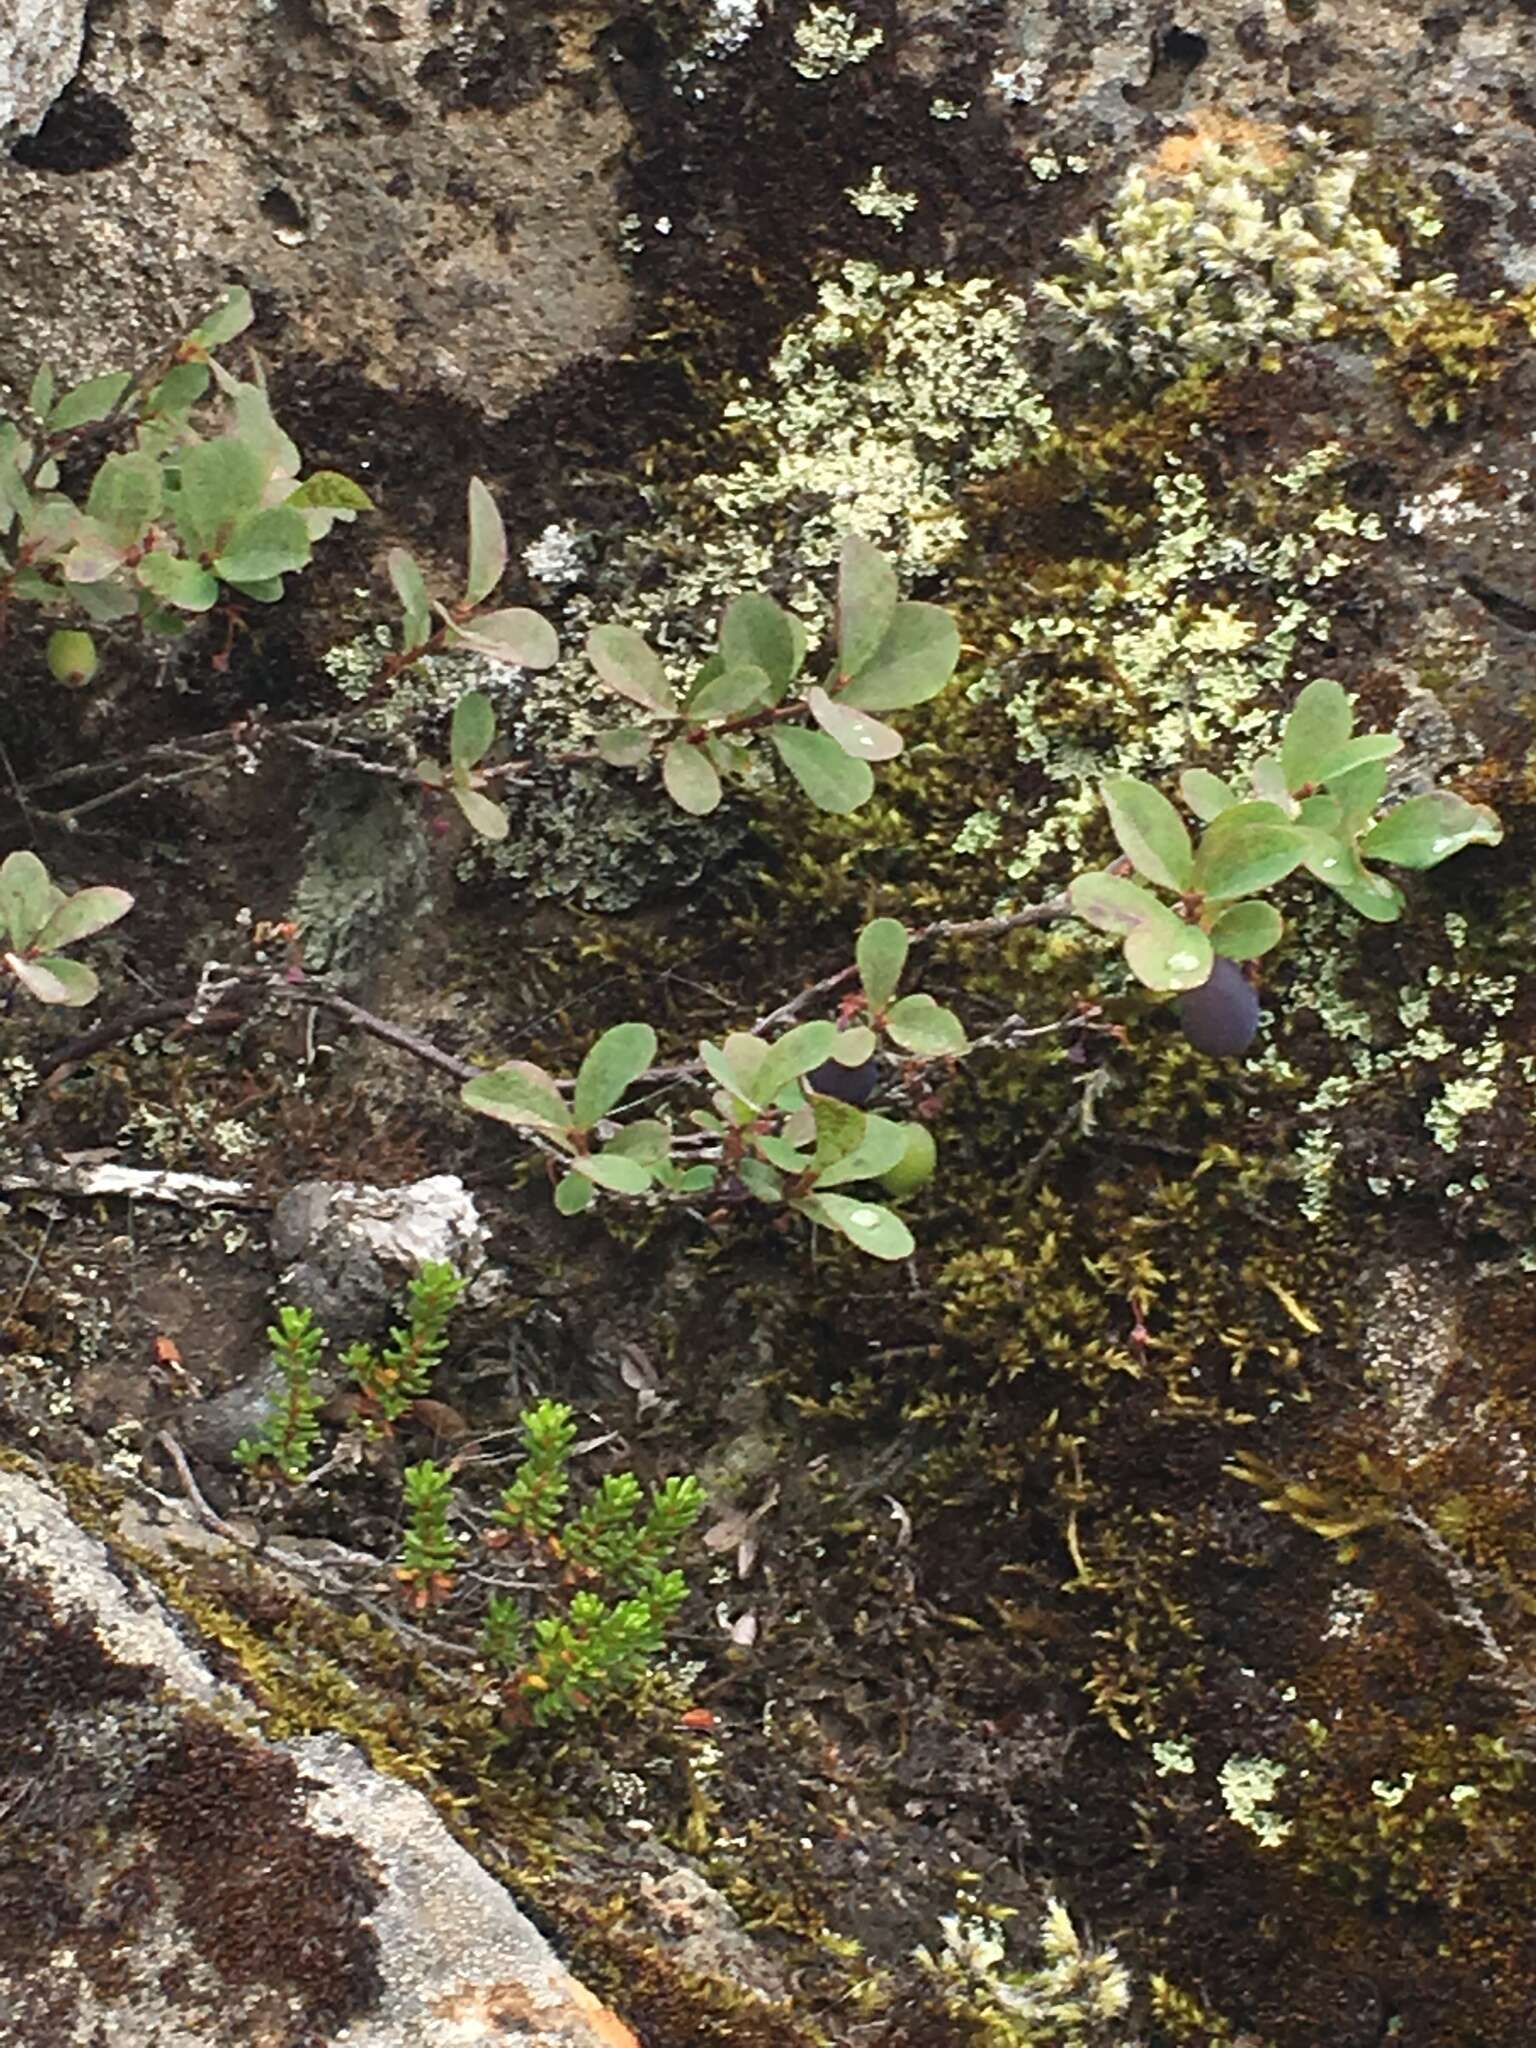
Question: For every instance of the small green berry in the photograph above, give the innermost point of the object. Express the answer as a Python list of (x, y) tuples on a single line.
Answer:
[(915, 1166)]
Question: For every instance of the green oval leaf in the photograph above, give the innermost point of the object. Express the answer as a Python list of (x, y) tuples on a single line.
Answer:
[(614, 1171), (1375, 898), (625, 746), (921, 1026), (82, 915), (1428, 829), (125, 495), (487, 544), (486, 817), (872, 1227), (881, 954), (829, 778), (729, 691), (518, 1093), (801, 1048), (327, 490), (220, 482), (915, 659), (516, 635), (881, 1145), (1114, 903), (757, 633), (270, 542), (1320, 724), (83, 407), (178, 390), (1169, 956), (177, 580), (626, 664), (1150, 832), (1370, 746), (26, 897), (613, 1065), (56, 980), (1240, 855), (264, 589), (1357, 792), (839, 1129), (1244, 931), (473, 730), (860, 735), (410, 585), (735, 1064), (573, 1194), (649, 1141), (231, 316), (1206, 794), (866, 603), (691, 778)]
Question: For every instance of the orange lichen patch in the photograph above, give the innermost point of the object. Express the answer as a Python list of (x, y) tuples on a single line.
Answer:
[(569, 2017), (1210, 129)]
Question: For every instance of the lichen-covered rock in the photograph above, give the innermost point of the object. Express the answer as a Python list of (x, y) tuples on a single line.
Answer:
[(431, 202), (39, 49), (169, 1878)]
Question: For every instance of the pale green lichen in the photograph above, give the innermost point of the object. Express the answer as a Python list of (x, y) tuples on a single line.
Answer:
[(1440, 1032), (877, 200), (875, 412), (1191, 680), (1173, 1759), (1474, 1090), (1248, 1787), (1238, 253), (829, 39)]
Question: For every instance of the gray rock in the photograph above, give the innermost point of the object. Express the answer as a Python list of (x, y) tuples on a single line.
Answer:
[(342, 170), (40, 43), (211, 1429), (347, 1250), (174, 1881)]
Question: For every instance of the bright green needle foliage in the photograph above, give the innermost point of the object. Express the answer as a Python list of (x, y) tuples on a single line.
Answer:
[(1314, 805), (610, 1563), (389, 1380), (197, 495), (595, 1650), (428, 1552), (37, 920), (285, 1443), (610, 1536), (531, 1504)]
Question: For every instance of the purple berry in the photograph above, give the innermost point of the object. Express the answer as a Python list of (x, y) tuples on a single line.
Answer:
[(845, 1084), (1221, 1016)]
